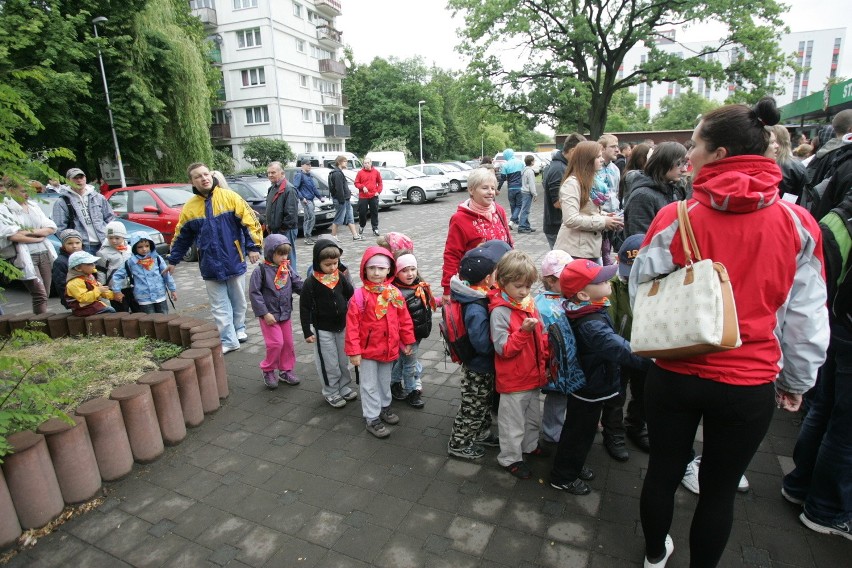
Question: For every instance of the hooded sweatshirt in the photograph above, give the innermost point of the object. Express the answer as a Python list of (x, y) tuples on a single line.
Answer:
[(320, 306), (773, 254), (511, 170), (151, 279), (265, 297), (645, 201)]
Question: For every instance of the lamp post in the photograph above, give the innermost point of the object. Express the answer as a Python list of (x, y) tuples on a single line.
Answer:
[(95, 22), (420, 125)]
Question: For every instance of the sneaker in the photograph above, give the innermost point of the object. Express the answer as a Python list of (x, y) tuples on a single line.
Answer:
[(350, 396), (471, 452), (376, 232), (289, 378), (228, 349), (360, 230), (538, 452), (576, 487), (616, 448), (388, 417), (398, 392), (488, 438), (586, 474), (336, 401), (839, 529), (415, 399), (270, 380), (640, 438), (242, 337), (791, 498), (310, 242), (662, 562), (743, 485), (377, 429), (512, 225), (690, 477), (334, 238), (357, 238), (520, 470), (530, 230)]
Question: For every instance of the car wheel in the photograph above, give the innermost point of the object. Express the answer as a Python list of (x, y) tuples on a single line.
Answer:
[(416, 196), (455, 185), (191, 254)]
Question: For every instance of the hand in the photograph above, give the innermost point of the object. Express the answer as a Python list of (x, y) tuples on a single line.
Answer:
[(104, 290), (535, 198), (174, 296), (407, 349), (311, 339), (118, 296), (557, 205), (269, 319), (445, 300), (787, 400), (529, 324), (254, 256), (614, 223), (355, 360), (171, 269)]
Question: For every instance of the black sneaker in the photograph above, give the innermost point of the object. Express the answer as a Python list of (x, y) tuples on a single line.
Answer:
[(640, 438), (397, 392), (488, 438), (360, 230), (576, 487), (376, 232), (586, 474), (415, 400), (471, 452), (838, 529), (519, 470), (616, 448)]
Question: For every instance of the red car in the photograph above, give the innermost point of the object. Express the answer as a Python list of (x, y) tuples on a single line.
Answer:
[(156, 205)]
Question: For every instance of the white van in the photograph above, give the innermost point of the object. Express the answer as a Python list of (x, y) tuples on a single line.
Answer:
[(326, 159), (387, 159)]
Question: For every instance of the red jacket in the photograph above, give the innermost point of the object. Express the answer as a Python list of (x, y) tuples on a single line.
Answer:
[(368, 336), (369, 180), (467, 231), (519, 356)]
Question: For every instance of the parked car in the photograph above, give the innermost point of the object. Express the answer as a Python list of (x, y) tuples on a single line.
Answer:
[(390, 189), (418, 188), (253, 190), (326, 159), (457, 177), (460, 165), (474, 163), (324, 211), (537, 166)]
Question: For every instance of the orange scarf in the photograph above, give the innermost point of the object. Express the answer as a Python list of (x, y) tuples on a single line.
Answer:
[(526, 305), (423, 291), (281, 274), (387, 295), (147, 263), (327, 280)]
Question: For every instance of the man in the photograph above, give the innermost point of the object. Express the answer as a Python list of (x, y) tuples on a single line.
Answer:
[(624, 150), (52, 186), (306, 189), (511, 174), (224, 228), (282, 208), (611, 177), (338, 186), (83, 209), (826, 160), (369, 185), (552, 182)]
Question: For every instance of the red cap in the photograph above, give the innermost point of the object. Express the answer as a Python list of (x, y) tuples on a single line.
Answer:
[(579, 273)]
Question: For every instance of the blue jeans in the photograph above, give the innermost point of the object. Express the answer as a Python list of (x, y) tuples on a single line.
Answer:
[(310, 218), (514, 203), (524, 213), (823, 473), (407, 370), (228, 306), (292, 235)]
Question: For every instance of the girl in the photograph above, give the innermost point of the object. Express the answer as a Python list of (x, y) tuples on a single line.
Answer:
[(656, 187)]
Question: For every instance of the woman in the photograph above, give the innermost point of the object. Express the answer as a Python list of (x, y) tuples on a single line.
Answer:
[(476, 220), (737, 216), (792, 170), (23, 228), (635, 165), (655, 187), (580, 201), (551, 182)]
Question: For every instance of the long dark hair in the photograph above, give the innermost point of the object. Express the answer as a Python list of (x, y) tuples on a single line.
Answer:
[(664, 158), (638, 159), (740, 129)]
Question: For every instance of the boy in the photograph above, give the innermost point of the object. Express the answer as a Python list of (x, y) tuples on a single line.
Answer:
[(150, 276), (83, 293), (528, 195), (71, 243), (322, 310), (600, 351), (472, 425), (113, 253), (520, 350), (377, 324)]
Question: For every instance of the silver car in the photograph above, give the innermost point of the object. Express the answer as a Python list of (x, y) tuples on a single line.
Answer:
[(390, 194), (416, 187)]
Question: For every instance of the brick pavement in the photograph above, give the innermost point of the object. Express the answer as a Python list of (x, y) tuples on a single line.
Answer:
[(280, 479)]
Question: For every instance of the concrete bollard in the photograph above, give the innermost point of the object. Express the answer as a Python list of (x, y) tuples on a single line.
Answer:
[(186, 380), (73, 458), (32, 481), (10, 528), (130, 326), (219, 367), (167, 403), (95, 325), (161, 326), (146, 326), (186, 330), (57, 325), (109, 437), (174, 330), (140, 418), (76, 326), (112, 324), (206, 373)]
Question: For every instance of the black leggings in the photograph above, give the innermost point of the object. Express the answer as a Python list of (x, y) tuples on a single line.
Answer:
[(736, 418)]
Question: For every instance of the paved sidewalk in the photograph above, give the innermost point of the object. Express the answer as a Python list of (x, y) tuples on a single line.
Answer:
[(281, 479)]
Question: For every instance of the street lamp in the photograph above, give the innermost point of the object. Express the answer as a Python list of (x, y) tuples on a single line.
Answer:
[(95, 22), (420, 124)]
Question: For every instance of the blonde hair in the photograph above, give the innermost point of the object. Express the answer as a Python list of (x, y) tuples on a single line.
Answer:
[(478, 177), (220, 180), (516, 266)]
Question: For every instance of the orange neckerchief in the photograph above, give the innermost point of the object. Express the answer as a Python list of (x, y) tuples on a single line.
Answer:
[(327, 280), (281, 274), (483, 289), (147, 263), (121, 248), (423, 291), (526, 305), (388, 296)]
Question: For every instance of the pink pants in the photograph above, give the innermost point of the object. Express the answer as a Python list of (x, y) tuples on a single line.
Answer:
[(280, 353)]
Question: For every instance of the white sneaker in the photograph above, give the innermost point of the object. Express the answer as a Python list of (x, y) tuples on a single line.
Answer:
[(226, 349), (743, 485), (662, 563), (513, 225), (242, 336), (690, 478)]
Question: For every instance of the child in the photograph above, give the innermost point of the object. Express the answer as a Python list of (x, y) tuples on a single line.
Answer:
[(600, 351), (271, 293), (397, 243), (377, 324), (472, 425), (549, 305), (113, 254), (71, 243), (150, 276), (83, 292), (520, 350), (322, 309), (405, 376)]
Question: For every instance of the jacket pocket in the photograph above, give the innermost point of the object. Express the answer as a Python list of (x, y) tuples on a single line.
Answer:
[(239, 250)]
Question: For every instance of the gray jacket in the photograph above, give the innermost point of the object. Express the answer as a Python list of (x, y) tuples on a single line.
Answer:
[(99, 211)]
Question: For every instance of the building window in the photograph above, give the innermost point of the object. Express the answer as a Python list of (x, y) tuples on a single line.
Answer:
[(253, 77), (300, 45), (221, 116), (318, 117), (240, 4), (248, 38), (303, 81), (297, 9), (320, 53), (257, 115), (196, 4), (306, 115)]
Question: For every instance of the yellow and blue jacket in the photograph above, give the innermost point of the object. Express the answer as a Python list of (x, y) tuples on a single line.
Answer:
[(224, 229)]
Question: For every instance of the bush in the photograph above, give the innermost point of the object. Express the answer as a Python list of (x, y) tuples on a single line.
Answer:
[(261, 151)]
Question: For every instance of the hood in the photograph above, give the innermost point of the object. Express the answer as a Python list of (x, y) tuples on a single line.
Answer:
[(272, 242), (320, 246), (508, 154), (137, 236), (68, 191), (559, 157), (462, 293), (370, 253), (829, 146), (739, 184)]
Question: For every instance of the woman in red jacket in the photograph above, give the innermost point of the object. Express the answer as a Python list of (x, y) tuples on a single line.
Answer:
[(368, 180)]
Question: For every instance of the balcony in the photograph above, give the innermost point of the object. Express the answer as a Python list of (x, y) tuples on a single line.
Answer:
[(328, 8), (215, 55), (334, 101), (329, 37), (207, 16), (220, 131), (332, 68), (336, 130)]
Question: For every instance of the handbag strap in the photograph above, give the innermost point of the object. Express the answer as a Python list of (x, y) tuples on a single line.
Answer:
[(690, 246)]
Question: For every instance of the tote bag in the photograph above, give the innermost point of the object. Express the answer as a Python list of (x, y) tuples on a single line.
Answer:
[(688, 312)]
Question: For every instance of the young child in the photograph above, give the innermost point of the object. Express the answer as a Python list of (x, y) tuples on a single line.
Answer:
[(322, 310), (151, 278), (84, 295), (405, 376), (377, 326), (600, 351), (472, 425), (72, 242), (113, 253), (520, 352), (549, 305), (271, 290), (397, 243)]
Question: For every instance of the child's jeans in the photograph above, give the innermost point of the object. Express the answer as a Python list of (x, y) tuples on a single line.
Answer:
[(158, 308), (474, 415), (553, 416), (332, 362), (407, 370), (518, 420), (578, 433), (280, 353), (375, 387)]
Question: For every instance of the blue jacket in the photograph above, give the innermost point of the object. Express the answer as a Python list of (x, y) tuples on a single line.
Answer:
[(305, 186), (265, 298), (511, 171), (149, 286), (476, 323)]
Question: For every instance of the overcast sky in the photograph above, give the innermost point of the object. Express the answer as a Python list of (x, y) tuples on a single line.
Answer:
[(407, 28)]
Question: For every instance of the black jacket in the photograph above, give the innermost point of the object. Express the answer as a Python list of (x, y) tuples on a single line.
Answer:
[(552, 182), (645, 201), (282, 212), (338, 186), (421, 313), (321, 307), (793, 180)]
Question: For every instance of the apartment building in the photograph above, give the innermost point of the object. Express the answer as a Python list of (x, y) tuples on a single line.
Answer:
[(281, 73)]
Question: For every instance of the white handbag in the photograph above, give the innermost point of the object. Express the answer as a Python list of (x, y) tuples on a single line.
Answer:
[(688, 312)]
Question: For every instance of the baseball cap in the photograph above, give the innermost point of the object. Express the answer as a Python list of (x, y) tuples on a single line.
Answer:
[(627, 253), (579, 273), (554, 261), (74, 172), (116, 229), (81, 257), (481, 261)]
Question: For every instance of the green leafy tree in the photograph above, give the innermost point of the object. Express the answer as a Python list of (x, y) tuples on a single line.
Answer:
[(260, 151), (575, 51), (682, 112), (625, 115)]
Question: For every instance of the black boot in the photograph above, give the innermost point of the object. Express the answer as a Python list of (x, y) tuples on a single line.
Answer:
[(616, 448)]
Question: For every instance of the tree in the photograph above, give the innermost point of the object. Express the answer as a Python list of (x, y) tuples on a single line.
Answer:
[(262, 151), (682, 112), (574, 51), (625, 115)]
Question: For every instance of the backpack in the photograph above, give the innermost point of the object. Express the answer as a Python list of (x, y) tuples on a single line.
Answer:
[(454, 333), (836, 229), (564, 374)]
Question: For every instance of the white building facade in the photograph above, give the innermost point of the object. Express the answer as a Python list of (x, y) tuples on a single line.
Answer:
[(818, 52), (281, 73)]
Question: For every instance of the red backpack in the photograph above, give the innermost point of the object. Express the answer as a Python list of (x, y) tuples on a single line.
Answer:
[(456, 342)]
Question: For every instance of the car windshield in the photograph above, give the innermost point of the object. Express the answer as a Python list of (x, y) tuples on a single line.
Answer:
[(175, 196), (388, 175), (404, 173), (416, 172), (451, 167), (250, 190)]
